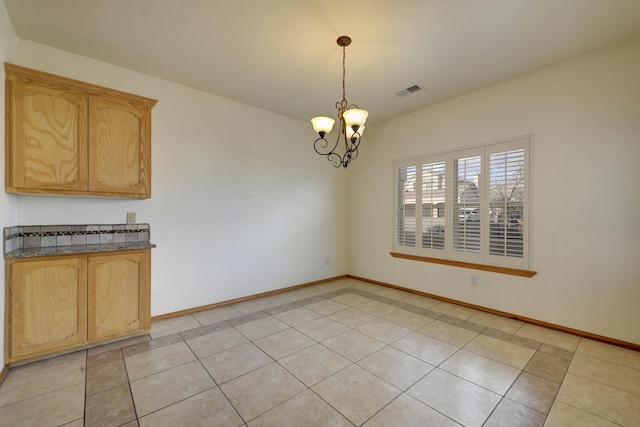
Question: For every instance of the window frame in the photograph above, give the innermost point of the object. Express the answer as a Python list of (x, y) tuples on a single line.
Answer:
[(483, 259)]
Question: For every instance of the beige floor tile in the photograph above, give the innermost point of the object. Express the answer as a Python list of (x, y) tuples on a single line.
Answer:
[(482, 371), (149, 345), (563, 415), (261, 327), (160, 359), (549, 336), (603, 372), (526, 343), (510, 413), (297, 316), (326, 307), (215, 315), (377, 308), (420, 301), (610, 353), (120, 344), (356, 393), (78, 423), (494, 321), (107, 356), (51, 409), (499, 350), (309, 291), (408, 319), (283, 298), (49, 363), (351, 300), (534, 392), (406, 411), (351, 317), (458, 399), (392, 293), (396, 367), (425, 348), (105, 376), (209, 408), (384, 331), (448, 333), (29, 383), (232, 363), (160, 328), (322, 328), (606, 402), (353, 345), (216, 342), (284, 343), (547, 366), (555, 352), (364, 286), (454, 310), (112, 407), (170, 386), (252, 305), (261, 390), (305, 409), (314, 364)]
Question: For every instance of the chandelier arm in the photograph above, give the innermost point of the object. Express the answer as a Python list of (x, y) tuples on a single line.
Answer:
[(320, 146)]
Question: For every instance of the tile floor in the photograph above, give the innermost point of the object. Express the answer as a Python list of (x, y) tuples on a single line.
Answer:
[(344, 353)]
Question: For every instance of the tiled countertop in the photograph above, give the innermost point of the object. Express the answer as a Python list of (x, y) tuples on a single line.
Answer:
[(50, 240)]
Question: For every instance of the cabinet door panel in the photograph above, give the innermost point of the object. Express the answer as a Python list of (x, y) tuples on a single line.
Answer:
[(119, 150), (119, 299), (49, 132), (48, 303)]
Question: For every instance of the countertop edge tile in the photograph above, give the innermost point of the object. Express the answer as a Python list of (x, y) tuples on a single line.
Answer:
[(77, 249)]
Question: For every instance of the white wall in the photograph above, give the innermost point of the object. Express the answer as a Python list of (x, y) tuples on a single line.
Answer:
[(585, 114), (241, 204), (8, 204)]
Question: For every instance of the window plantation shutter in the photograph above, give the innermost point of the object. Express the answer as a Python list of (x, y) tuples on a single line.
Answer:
[(406, 206), (433, 207), (470, 205), (466, 204), (507, 197)]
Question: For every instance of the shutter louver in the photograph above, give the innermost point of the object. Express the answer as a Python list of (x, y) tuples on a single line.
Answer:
[(507, 195), (433, 208), (466, 205), (406, 206)]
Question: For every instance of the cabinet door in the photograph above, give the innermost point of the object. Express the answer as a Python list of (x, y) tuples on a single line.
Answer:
[(119, 147), (119, 294), (47, 308), (46, 137)]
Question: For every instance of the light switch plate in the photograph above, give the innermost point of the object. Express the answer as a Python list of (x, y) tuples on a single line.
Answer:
[(131, 217)]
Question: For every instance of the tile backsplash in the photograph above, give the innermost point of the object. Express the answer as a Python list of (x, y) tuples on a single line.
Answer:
[(44, 236)]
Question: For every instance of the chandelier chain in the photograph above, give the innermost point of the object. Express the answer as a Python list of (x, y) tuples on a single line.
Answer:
[(344, 71)]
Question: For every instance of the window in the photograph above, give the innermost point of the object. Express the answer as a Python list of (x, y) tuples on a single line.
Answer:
[(470, 205)]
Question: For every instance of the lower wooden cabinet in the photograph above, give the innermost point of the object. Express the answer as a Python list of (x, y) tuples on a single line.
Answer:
[(60, 303)]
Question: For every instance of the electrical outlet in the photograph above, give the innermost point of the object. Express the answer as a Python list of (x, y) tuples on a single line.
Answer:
[(474, 281), (131, 217), (326, 262)]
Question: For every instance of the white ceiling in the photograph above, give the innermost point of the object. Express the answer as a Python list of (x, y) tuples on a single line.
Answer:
[(281, 55)]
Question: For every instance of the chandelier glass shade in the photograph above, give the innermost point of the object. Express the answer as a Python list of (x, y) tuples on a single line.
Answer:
[(351, 122)]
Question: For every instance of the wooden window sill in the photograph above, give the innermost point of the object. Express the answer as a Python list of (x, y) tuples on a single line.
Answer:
[(495, 269)]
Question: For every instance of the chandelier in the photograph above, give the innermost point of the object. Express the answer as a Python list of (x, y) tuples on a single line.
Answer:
[(351, 124)]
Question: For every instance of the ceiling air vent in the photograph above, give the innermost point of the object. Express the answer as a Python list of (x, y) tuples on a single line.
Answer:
[(409, 90)]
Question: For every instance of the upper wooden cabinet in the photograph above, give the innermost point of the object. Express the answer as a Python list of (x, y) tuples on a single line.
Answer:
[(68, 137)]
